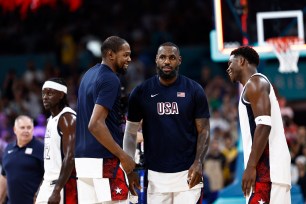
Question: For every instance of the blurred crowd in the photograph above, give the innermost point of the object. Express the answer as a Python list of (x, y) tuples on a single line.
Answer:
[(150, 23)]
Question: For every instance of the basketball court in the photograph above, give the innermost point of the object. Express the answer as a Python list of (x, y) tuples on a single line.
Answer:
[(275, 29)]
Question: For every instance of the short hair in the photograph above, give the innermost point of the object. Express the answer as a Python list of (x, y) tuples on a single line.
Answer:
[(171, 45), (112, 43), (23, 117), (248, 53), (64, 101)]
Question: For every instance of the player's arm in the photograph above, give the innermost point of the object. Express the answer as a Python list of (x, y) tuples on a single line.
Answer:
[(100, 131), (195, 171), (257, 93), (67, 125), (129, 146), (3, 186)]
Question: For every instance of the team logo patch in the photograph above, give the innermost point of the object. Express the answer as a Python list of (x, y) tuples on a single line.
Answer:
[(180, 94), (28, 150)]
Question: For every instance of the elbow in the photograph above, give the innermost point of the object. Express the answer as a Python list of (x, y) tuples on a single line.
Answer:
[(92, 127)]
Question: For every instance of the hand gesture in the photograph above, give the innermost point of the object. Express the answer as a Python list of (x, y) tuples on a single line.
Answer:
[(133, 182), (248, 180), (127, 163), (194, 174), (55, 197)]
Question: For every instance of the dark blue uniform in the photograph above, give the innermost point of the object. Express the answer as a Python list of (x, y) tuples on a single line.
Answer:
[(24, 169), (100, 85), (168, 113)]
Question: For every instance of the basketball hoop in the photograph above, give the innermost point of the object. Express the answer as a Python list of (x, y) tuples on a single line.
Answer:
[(288, 58)]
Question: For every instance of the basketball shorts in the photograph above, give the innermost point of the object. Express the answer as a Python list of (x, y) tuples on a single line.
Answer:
[(270, 193), (168, 188), (68, 194), (100, 180)]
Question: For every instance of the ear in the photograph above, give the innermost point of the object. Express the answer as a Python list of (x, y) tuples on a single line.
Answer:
[(180, 60), (242, 61), (111, 54)]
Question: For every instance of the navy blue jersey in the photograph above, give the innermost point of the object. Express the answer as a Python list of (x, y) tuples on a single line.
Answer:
[(168, 114), (24, 170), (99, 85)]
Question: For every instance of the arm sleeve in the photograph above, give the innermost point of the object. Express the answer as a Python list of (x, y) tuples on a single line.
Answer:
[(201, 108), (108, 90)]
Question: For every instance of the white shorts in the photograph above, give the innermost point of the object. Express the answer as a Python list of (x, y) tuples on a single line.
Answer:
[(93, 187), (191, 197), (171, 188)]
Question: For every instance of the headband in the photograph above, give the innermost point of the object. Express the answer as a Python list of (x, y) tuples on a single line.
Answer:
[(55, 86)]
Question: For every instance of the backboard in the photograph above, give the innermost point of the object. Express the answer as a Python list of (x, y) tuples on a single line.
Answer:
[(252, 22)]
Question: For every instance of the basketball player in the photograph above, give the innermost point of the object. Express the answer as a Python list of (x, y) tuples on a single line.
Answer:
[(22, 165), (100, 159), (266, 178), (175, 127), (59, 184)]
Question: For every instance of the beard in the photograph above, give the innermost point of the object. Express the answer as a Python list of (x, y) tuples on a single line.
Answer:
[(121, 71), (167, 76)]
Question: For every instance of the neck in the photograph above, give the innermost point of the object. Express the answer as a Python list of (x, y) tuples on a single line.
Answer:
[(247, 75), (167, 82), (56, 111), (105, 62), (22, 143)]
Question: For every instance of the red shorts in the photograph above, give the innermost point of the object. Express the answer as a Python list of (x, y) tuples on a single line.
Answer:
[(262, 193), (118, 185)]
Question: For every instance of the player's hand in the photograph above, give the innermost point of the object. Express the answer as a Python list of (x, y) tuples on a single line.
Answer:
[(248, 180), (195, 174), (55, 197), (133, 178), (127, 163)]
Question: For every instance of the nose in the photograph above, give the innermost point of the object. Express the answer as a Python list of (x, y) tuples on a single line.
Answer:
[(167, 60)]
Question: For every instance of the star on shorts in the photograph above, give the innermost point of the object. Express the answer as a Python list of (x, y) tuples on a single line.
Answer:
[(118, 190), (261, 201)]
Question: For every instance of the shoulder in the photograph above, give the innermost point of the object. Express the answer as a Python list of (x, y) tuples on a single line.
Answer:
[(9, 146), (257, 83), (67, 114), (191, 82), (37, 144), (146, 85)]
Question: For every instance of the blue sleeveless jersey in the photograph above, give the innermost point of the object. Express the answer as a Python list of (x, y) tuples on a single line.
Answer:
[(168, 114), (99, 85)]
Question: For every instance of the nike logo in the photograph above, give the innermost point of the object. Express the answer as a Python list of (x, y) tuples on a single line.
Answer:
[(153, 95)]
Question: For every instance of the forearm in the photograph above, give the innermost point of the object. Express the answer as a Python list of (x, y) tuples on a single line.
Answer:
[(65, 172), (102, 134), (261, 138), (203, 128), (202, 147), (130, 138)]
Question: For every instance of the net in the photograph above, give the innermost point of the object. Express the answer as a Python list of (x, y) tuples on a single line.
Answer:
[(288, 58)]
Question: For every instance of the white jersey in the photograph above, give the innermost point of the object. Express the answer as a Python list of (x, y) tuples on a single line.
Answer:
[(277, 157), (53, 153)]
